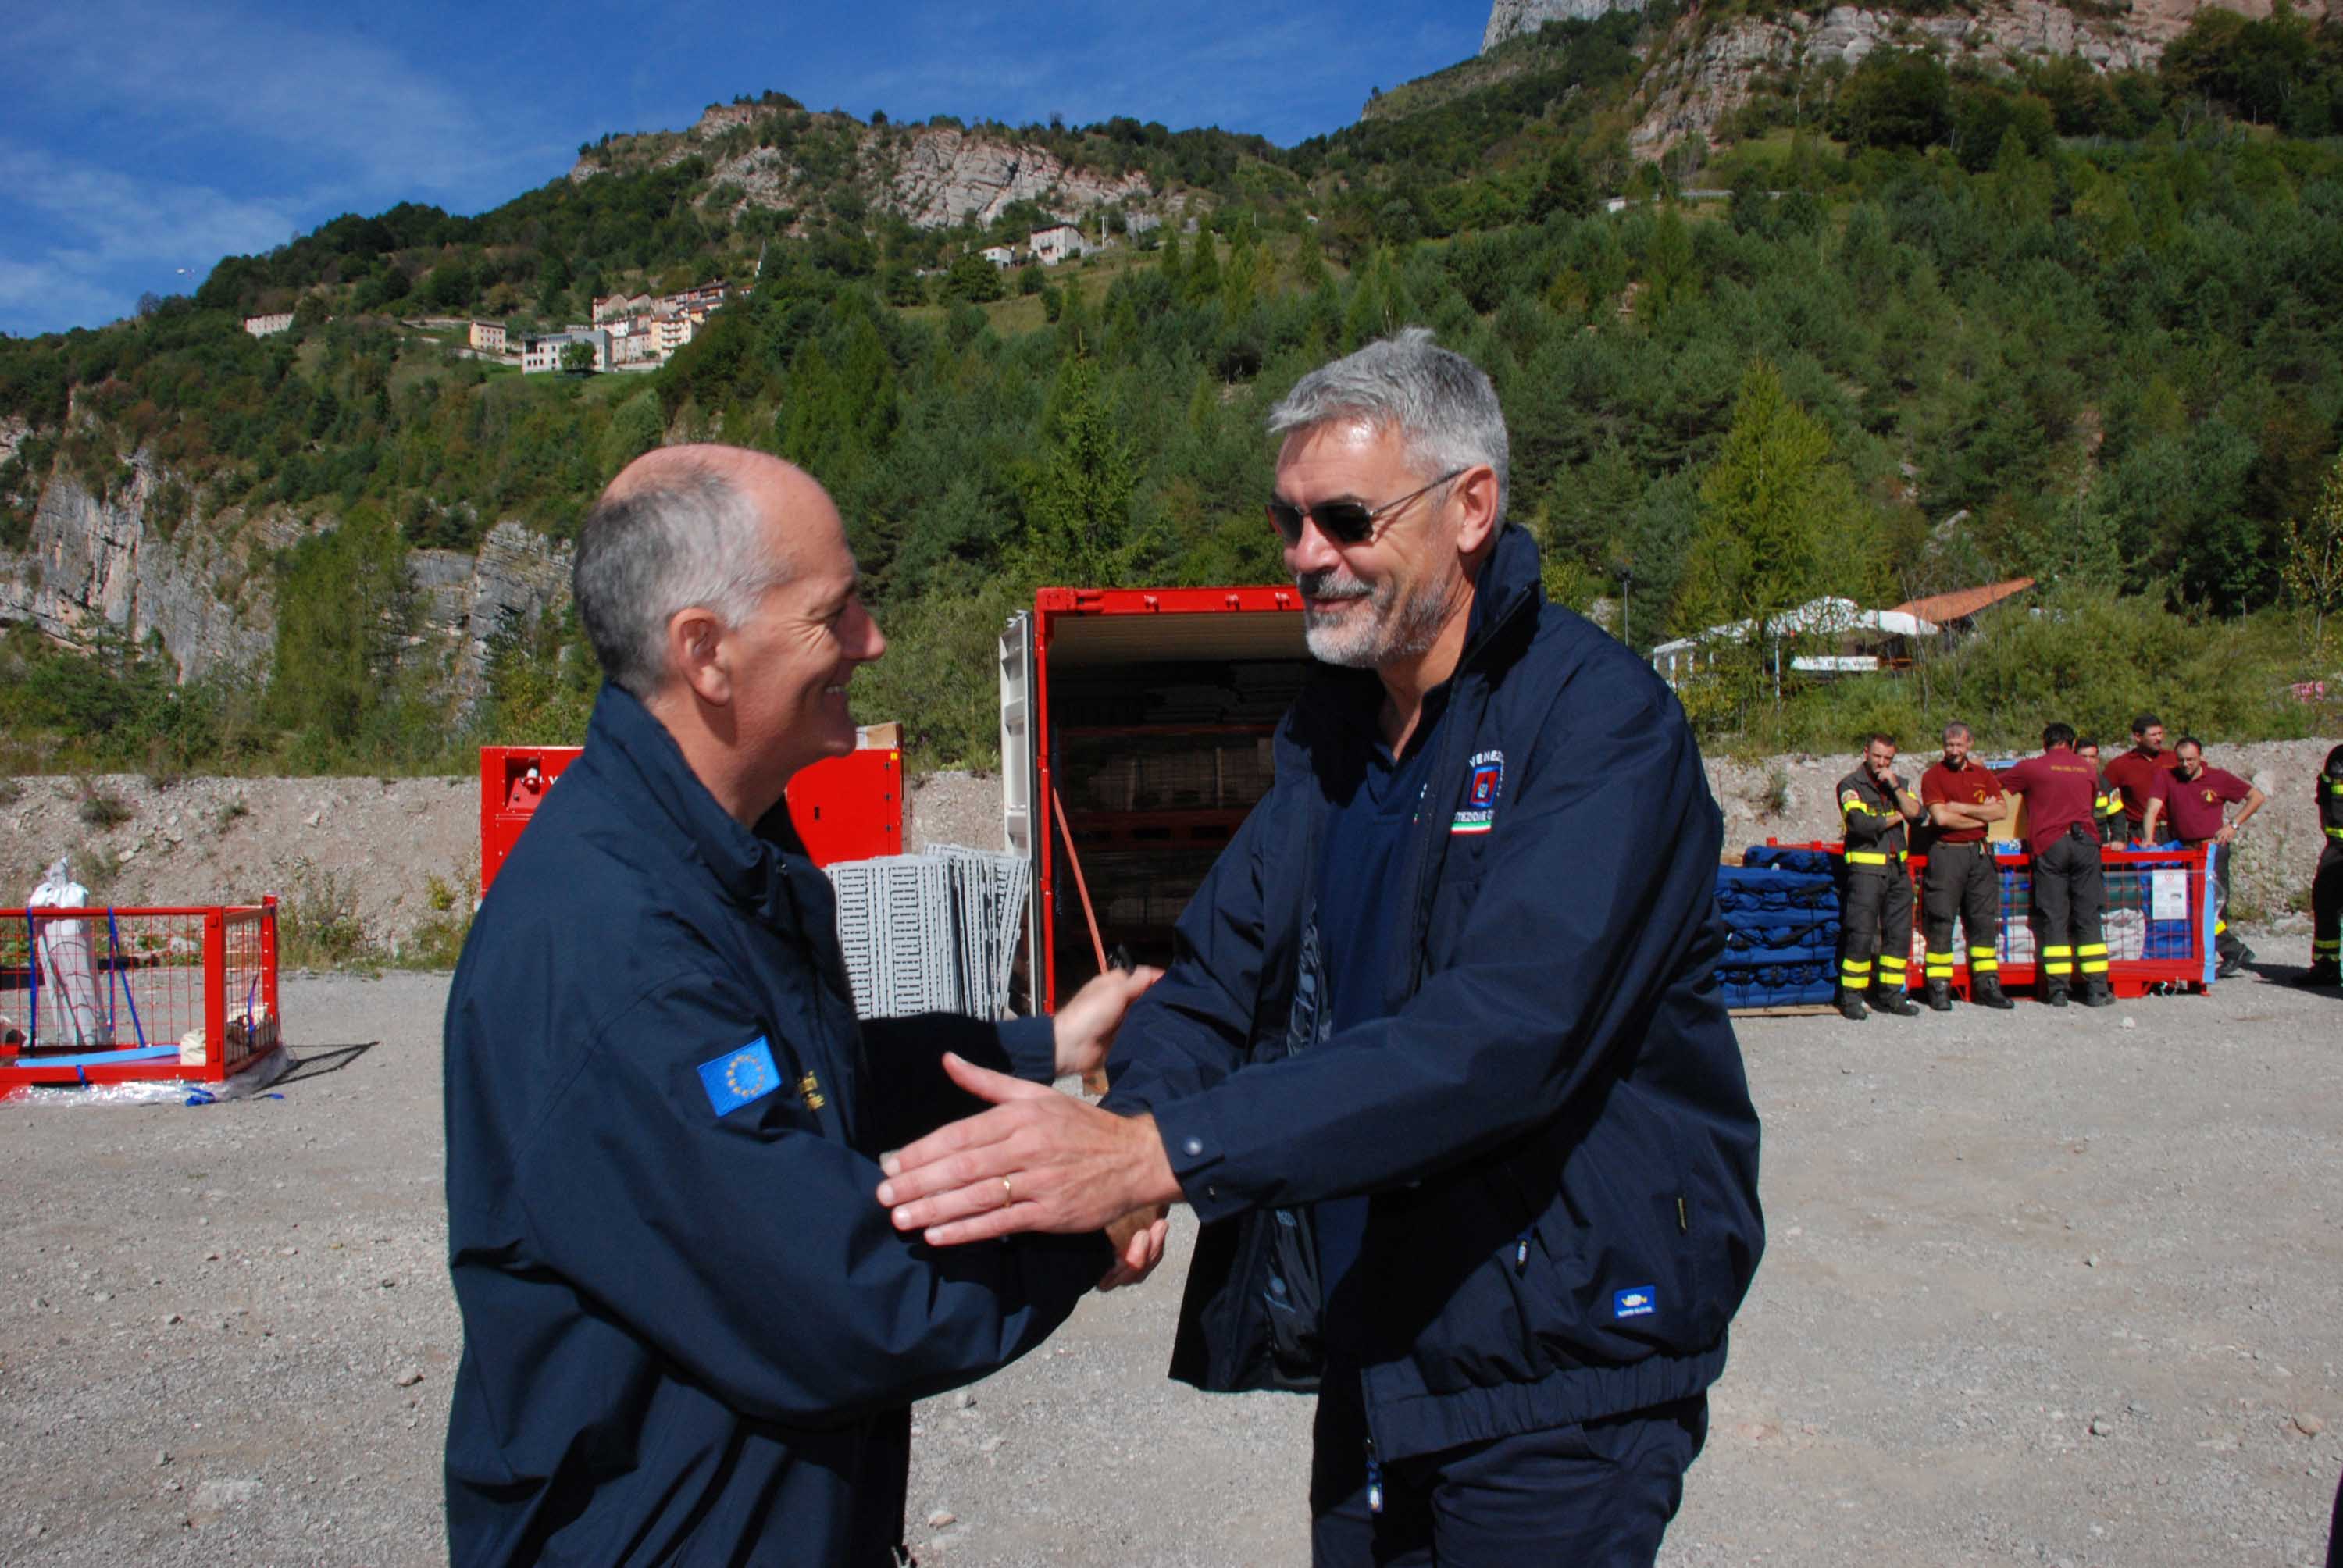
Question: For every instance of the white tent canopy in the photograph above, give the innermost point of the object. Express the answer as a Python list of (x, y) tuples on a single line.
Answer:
[(1825, 616)]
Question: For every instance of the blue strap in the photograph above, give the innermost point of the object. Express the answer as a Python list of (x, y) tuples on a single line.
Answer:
[(33, 973), (114, 941)]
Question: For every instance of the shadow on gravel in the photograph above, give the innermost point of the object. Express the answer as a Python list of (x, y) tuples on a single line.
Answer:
[(325, 1059)]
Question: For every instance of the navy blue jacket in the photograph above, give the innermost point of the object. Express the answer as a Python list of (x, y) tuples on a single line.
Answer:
[(690, 1333), (1552, 1116)]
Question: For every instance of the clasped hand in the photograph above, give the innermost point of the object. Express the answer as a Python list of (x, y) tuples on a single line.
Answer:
[(1037, 1160)]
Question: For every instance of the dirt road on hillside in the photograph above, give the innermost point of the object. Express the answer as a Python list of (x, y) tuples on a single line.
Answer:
[(2042, 1288)]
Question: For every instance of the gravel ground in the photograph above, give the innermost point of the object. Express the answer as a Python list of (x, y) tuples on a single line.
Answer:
[(2042, 1289)]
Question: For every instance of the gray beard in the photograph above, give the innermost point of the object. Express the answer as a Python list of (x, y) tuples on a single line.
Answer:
[(1392, 629)]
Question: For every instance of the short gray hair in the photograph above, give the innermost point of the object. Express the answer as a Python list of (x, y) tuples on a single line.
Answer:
[(1957, 728), (689, 537), (1440, 402)]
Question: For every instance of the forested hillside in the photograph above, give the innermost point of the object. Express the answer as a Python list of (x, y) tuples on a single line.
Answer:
[(1947, 328)]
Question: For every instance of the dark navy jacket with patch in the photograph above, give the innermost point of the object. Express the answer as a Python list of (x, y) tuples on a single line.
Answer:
[(1552, 1114), (694, 1336)]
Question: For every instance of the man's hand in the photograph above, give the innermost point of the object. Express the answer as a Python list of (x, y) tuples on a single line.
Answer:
[(1138, 1239), (1037, 1160), (2228, 833), (1087, 1023)]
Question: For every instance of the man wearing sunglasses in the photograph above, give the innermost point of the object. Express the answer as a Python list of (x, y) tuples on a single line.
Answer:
[(1441, 1064)]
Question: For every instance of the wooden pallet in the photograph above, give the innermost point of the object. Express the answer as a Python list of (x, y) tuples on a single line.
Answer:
[(1795, 1010)]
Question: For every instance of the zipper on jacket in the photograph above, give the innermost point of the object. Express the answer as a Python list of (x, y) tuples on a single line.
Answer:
[(1374, 1480), (1521, 1249)]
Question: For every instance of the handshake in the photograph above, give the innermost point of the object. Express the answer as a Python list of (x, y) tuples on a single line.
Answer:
[(1042, 1160)]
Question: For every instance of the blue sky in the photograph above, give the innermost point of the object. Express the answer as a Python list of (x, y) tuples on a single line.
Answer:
[(138, 139)]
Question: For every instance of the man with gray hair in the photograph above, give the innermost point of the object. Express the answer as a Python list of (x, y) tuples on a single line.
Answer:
[(1441, 1064), (687, 1333)]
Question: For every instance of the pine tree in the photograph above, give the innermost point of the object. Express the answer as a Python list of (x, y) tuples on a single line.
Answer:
[(2313, 568), (1078, 509)]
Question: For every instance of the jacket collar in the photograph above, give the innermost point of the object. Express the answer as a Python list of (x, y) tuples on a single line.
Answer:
[(747, 865)]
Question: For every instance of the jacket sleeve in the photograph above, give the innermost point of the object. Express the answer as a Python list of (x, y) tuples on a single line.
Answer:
[(1864, 827), (1193, 1028), (906, 1066), (747, 1244), (1597, 903)]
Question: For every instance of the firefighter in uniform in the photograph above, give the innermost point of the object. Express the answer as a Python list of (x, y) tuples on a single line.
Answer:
[(1961, 798), (2326, 890), (1876, 917), (2134, 773), (2106, 805), (2190, 799), (2070, 889)]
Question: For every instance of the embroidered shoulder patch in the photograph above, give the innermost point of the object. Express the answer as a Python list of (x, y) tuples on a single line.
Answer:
[(1481, 786), (740, 1077)]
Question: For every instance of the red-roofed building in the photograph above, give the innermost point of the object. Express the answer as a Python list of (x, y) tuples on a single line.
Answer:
[(1948, 609)]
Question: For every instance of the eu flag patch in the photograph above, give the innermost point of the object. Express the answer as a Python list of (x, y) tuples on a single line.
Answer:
[(1636, 1301), (739, 1077)]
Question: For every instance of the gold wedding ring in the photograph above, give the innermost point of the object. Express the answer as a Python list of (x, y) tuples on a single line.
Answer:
[(1008, 1194)]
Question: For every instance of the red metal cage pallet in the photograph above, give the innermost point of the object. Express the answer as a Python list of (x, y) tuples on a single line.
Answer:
[(2176, 952), (103, 995)]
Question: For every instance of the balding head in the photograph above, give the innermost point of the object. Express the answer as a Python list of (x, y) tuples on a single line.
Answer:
[(710, 526)]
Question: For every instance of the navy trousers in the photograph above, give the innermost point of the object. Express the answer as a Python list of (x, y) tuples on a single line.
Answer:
[(1598, 1494)]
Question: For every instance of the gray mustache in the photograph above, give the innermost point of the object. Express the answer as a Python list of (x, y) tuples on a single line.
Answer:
[(1329, 583)]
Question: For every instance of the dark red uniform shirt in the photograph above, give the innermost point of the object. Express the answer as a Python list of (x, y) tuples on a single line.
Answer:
[(1972, 784), (2135, 773), (2059, 786), (2193, 806)]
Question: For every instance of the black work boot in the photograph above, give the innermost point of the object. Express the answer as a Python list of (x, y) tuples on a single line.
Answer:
[(1940, 996), (2097, 992), (2325, 973), (1987, 992), (1894, 1001), (1850, 1006), (2053, 993)]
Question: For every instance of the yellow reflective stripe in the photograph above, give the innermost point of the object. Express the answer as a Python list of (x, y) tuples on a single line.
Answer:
[(2057, 952), (2096, 967), (2335, 832), (1943, 971), (1848, 805), (1887, 963), (2058, 968), (1851, 966), (2092, 951), (2219, 927), (1981, 952), (1941, 958), (1984, 966), (2318, 947)]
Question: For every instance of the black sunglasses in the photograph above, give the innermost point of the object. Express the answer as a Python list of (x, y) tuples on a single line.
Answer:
[(1344, 522)]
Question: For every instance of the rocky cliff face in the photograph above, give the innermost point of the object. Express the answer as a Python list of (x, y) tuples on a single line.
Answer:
[(1508, 18), (92, 564), (466, 600), (205, 590), (1704, 75), (934, 176)]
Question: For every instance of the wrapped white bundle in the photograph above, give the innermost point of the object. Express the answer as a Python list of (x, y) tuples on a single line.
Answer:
[(69, 974)]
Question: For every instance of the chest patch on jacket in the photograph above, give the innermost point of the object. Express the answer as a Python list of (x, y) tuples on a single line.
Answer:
[(740, 1077), (1481, 786), (1635, 1301)]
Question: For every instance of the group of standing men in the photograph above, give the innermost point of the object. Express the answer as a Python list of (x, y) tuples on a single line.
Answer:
[(2073, 805)]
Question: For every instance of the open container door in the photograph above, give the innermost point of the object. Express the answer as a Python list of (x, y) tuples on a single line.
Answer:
[(1147, 716), (1019, 776)]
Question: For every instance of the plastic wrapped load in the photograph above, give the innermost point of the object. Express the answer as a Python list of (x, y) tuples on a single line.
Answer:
[(1806, 935), (1787, 857), (65, 1008), (1744, 895)]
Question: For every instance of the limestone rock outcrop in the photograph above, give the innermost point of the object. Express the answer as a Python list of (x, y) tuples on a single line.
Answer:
[(946, 175), (1509, 17), (468, 601), (1690, 90)]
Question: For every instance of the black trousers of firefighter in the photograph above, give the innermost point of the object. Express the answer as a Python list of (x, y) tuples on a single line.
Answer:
[(2070, 893), (2326, 906), (1874, 927), (1962, 880)]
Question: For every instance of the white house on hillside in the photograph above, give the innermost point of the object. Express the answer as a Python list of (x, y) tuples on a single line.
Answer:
[(542, 351), (1000, 255), (263, 325), (1058, 242)]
